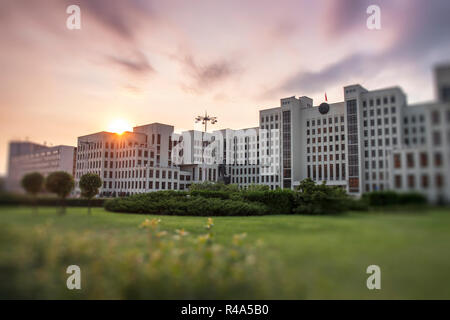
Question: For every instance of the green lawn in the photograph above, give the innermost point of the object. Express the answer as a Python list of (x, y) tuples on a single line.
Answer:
[(302, 257)]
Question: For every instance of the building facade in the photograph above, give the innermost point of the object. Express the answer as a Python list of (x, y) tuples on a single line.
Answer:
[(27, 157), (373, 140)]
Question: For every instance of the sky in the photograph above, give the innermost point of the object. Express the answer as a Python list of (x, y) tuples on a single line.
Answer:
[(168, 61)]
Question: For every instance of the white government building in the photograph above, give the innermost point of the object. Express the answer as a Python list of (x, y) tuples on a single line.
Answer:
[(373, 140), (26, 157)]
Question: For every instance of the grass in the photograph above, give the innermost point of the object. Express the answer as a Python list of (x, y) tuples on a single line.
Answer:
[(302, 257)]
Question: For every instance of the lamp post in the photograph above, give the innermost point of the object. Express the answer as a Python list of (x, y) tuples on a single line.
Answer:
[(204, 120)]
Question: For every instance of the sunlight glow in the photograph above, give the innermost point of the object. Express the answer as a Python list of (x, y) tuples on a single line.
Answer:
[(119, 126)]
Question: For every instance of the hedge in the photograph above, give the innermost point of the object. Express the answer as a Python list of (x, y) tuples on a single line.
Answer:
[(277, 201), (392, 198), (17, 199), (169, 203)]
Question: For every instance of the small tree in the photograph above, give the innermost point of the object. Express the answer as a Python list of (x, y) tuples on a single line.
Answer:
[(89, 185), (33, 184), (61, 183)]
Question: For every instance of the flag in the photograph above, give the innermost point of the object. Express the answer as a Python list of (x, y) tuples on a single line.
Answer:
[(326, 99)]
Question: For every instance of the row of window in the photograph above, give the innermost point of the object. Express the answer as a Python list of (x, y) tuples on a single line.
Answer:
[(319, 130), (379, 122), (377, 101), (326, 172), (325, 148), (385, 110), (143, 185), (424, 181), (324, 121), (423, 160), (325, 157)]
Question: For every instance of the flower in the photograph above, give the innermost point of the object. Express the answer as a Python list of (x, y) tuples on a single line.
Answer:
[(181, 232), (161, 234), (150, 223), (238, 238), (204, 238), (209, 224)]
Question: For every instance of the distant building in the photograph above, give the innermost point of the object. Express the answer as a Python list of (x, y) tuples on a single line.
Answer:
[(26, 157), (373, 140)]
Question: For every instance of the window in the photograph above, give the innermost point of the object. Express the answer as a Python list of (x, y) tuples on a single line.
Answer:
[(438, 159), (398, 181), (437, 138), (439, 181), (423, 159), (410, 160), (411, 181), (425, 181), (435, 119)]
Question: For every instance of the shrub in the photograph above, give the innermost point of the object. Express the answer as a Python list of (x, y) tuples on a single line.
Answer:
[(181, 203), (9, 199), (392, 198), (214, 186), (258, 187), (320, 199), (411, 198), (355, 204), (220, 194), (381, 198), (277, 201)]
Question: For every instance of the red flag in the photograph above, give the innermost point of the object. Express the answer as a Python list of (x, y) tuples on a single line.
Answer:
[(326, 99)]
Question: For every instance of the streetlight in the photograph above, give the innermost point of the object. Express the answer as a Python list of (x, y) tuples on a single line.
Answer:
[(204, 119)]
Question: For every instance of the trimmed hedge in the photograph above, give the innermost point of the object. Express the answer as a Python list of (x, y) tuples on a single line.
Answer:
[(180, 203), (392, 198), (17, 199), (277, 201), (317, 199), (216, 194)]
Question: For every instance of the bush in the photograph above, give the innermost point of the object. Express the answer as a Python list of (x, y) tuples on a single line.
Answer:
[(214, 186), (181, 203), (320, 199), (8, 199), (219, 194), (392, 198), (355, 204), (411, 198), (381, 198), (277, 201)]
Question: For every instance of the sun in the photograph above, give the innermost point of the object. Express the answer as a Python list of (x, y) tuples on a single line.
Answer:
[(119, 126)]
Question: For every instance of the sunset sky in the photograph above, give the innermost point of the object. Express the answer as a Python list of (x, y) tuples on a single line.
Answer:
[(168, 61)]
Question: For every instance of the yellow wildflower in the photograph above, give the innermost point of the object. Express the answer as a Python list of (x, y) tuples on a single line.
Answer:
[(238, 238), (181, 232), (150, 223), (161, 234)]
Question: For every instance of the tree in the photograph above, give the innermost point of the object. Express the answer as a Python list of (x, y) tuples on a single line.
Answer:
[(89, 185), (33, 184), (313, 198), (61, 183)]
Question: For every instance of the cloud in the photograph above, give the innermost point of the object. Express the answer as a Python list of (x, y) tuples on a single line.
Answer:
[(422, 39), (120, 17), (341, 16), (137, 63), (208, 75)]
